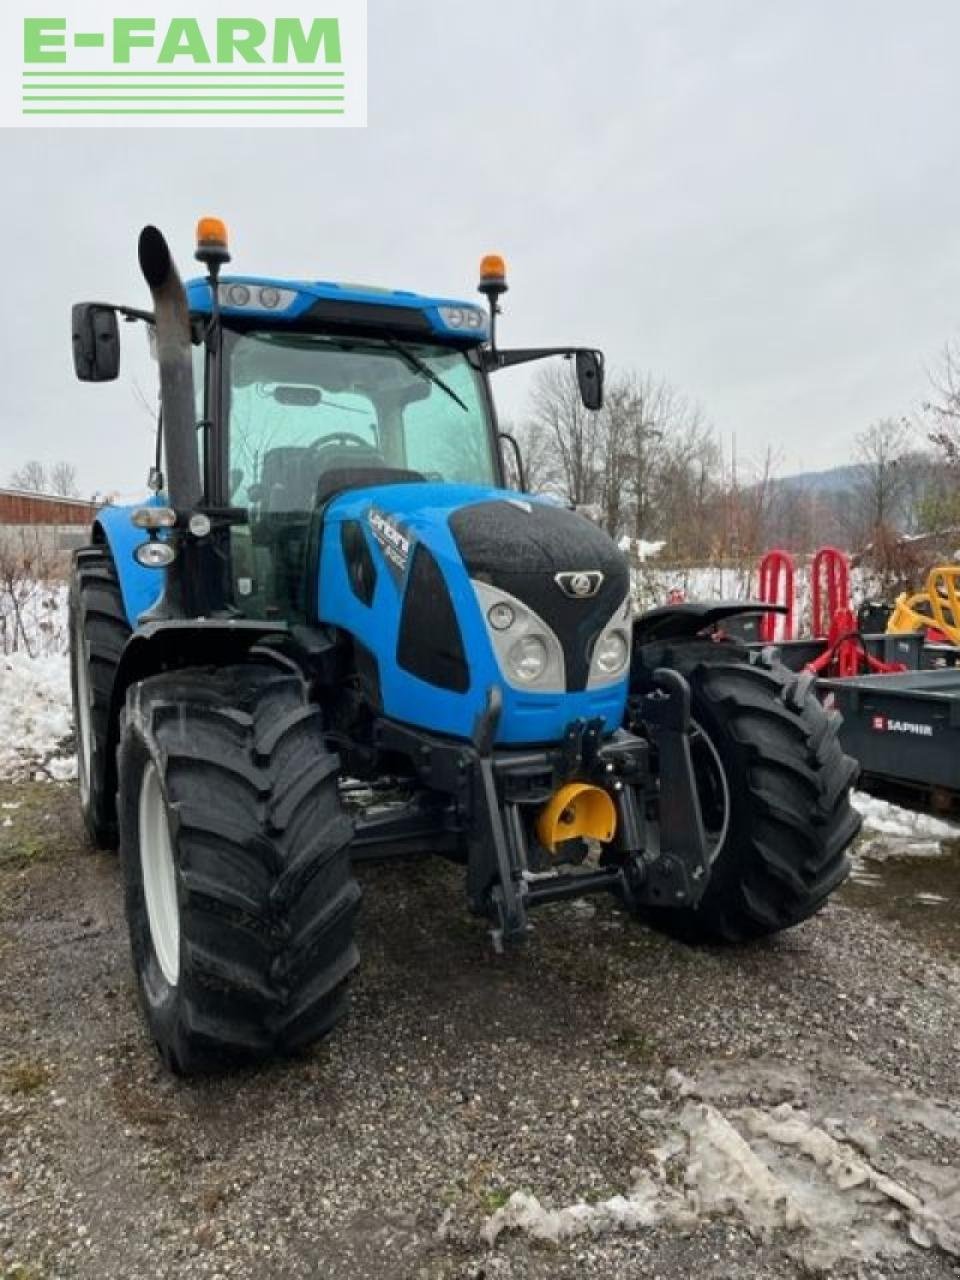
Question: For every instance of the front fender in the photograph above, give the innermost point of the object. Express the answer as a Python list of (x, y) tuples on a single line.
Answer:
[(165, 645), (140, 588), (684, 621)]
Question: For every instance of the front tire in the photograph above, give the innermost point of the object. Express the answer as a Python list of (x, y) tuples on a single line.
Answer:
[(779, 851), (98, 633), (239, 896)]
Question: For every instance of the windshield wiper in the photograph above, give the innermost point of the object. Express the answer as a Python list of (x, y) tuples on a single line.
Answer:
[(421, 366)]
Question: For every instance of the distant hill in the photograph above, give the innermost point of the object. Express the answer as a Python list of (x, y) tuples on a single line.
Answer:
[(833, 480)]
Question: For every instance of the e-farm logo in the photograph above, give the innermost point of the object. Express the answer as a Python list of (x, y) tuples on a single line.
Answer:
[(148, 64)]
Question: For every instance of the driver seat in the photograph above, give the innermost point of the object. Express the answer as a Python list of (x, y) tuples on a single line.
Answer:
[(339, 479)]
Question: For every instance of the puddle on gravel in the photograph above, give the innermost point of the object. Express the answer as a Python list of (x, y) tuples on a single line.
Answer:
[(920, 890)]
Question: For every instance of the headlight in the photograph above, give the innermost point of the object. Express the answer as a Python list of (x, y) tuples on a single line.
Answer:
[(254, 297), (612, 653), (528, 659), (154, 518), (501, 616), (528, 653), (154, 555), (471, 319)]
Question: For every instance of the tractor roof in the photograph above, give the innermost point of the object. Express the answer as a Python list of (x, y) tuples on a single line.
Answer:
[(264, 300)]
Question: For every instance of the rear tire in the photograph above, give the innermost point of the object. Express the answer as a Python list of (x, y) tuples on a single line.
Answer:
[(98, 633), (236, 856), (787, 784)]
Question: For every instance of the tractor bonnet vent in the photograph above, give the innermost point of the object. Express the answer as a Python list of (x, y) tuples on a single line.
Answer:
[(430, 644)]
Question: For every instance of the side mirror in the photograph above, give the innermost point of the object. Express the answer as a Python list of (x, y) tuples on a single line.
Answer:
[(96, 342), (590, 379)]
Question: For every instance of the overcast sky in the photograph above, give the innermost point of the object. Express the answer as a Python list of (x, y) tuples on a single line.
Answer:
[(759, 202)]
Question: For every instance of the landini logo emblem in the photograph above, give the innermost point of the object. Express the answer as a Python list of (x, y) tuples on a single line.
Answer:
[(581, 584), (97, 63)]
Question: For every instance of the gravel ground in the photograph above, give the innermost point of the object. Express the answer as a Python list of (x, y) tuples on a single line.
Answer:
[(460, 1078)]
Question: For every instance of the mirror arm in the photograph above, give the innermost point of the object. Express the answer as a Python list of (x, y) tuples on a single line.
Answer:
[(503, 357), (128, 313), (517, 457)]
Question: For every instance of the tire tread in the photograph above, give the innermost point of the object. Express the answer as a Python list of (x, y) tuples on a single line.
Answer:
[(269, 899)]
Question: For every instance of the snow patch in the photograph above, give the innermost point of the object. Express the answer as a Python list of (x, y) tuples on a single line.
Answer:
[(35, 709), (641, 549), (885, 819), (36, 717), (773, 1168)]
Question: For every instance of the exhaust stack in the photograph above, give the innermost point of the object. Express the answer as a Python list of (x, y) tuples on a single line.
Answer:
[(176, 370)]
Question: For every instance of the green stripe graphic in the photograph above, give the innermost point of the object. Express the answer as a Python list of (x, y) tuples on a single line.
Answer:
[(181, 111)]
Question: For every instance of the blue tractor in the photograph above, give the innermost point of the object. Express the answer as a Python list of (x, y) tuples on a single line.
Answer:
[(331, 581)]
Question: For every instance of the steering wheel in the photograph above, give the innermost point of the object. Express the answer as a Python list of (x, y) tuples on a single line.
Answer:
[(349, 438)]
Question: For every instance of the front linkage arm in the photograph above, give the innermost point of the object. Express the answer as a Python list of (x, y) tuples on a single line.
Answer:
[(493, 792), (662, 864)]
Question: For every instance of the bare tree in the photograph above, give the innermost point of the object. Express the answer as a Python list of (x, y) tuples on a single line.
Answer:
[(557, 412), (616, 458), (943, 410), (25, 565), (63, 480), (878, 492), (31, 478), (538, 453)]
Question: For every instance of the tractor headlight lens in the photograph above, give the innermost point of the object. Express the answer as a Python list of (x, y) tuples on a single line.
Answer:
[(501, 616), (154, 518), (612, 653), (528, 659), (154, 555), (468, 319), (254, 297), (528, 651)]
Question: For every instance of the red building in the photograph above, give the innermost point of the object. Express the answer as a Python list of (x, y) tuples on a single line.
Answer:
[(20, 508)]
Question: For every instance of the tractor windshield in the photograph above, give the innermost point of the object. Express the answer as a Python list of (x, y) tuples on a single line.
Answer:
[(310, 414)]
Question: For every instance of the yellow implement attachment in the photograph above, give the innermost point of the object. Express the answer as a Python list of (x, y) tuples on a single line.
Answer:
[(577, 809), (937, 607)]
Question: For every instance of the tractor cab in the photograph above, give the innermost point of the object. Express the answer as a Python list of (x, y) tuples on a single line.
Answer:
[(306, 414)]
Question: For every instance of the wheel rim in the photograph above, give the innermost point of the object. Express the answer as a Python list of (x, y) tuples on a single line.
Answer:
[(159, 875), (713, 790), (84, 726)]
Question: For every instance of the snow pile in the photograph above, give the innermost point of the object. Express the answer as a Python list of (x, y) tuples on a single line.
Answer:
[(880, 818), (36, 717), (773, 1168), (36, 722)]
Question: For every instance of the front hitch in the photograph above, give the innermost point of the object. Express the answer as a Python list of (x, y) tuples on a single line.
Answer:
[(662, 863)]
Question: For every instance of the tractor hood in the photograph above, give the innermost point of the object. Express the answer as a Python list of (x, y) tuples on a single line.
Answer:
[(441, 582)]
